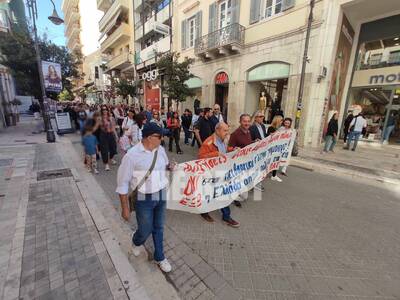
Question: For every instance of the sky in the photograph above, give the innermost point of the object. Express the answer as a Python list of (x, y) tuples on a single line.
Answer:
[(55, 33)]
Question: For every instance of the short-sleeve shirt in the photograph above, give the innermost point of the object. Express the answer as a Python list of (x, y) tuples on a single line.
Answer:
[(89, 143)]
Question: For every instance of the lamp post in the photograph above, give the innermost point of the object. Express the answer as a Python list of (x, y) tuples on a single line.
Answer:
[(55, 19)]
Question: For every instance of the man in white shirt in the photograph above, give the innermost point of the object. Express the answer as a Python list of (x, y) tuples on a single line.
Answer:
[(356, 127), (151, 198)]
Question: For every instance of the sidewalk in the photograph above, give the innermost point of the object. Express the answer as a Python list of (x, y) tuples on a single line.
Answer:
[(55, 243), (370, 161)]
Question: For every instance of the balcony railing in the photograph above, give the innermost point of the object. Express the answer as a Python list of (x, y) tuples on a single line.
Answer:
[(115, 8), (161, 46), (231, 35), (119, 62)]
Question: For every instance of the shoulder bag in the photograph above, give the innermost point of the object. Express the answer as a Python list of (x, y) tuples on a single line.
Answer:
[(133, 195)]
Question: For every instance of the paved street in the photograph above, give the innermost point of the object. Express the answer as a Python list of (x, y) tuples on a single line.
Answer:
[(313, 236)]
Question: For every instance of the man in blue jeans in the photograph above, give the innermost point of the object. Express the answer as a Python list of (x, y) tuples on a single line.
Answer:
[(213, 146), (391, 123), (356, 127), (150, 206)]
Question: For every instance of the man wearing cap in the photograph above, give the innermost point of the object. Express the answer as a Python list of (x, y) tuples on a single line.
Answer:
[(151, 197)]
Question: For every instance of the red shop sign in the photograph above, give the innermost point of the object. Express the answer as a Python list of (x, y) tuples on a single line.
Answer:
[(221, 78)]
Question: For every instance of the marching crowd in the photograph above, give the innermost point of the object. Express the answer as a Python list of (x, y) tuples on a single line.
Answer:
[(139, 136)]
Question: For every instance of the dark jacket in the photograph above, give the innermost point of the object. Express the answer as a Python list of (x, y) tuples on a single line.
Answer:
[(255, 134), (186, 121), (333, 127), (270, 130), (347, 122)]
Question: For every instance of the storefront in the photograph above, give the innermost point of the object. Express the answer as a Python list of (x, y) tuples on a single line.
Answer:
[(195, 84), (222, 92), (375, 85), (267, 86)]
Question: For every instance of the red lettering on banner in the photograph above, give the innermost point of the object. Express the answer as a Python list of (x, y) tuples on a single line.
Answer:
[(202, 165), (191, 202), (286, 135), (273, 166), (191, 185)]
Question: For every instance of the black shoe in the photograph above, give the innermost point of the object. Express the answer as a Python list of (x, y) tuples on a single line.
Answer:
[(284, 174), (353, 149), (237, 203), (207, 217)]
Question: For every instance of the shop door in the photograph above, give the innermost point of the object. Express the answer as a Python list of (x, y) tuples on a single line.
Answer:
[(221, 98)]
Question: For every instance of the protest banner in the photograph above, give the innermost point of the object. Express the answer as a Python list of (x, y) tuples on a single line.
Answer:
[(205, 185)]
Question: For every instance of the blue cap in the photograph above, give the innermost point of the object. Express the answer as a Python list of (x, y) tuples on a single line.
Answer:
[(151, 128)]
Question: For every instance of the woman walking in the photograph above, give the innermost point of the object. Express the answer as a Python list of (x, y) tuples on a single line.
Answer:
[(107, 138), (331, 134), (136, 135), (174, 125), (128, 121), (275, 125)]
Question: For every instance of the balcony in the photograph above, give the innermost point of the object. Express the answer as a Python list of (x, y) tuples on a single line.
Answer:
[(104, 5), (161, 46), (113, 12), (163, 14), (119, 62), (225, 41), (119, 36), (149, 25), (138, 32), (72, 30), (73, 16)]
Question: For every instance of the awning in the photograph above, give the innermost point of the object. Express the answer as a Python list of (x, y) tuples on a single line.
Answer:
[(269, 71), (194, 83)]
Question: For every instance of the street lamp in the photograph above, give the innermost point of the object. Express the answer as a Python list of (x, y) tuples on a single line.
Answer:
[(55, 19)]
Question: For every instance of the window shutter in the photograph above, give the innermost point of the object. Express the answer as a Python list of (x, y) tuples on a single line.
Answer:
[(212, 19), (287, 4), (255, 11), (235, 11), (199, 16), (183, 34)]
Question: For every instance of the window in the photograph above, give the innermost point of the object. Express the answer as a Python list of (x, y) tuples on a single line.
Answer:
[(192, 31), (394, 57), (271, 8), (225, 13), (375, 59)]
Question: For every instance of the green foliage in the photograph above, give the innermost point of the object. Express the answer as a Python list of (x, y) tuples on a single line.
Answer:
[(125, 88), (65, 96), (175, 75), (18, 54)]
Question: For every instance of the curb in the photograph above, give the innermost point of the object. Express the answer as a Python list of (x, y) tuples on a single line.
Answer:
[(329, 169)]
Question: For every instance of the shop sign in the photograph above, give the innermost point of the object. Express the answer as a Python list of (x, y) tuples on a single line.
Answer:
[(373, 77), (221, 78), (150, 75), (381, 79)]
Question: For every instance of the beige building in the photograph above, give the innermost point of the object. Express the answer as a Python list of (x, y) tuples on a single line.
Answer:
[(83, 35), (116, 36), (245, 50)]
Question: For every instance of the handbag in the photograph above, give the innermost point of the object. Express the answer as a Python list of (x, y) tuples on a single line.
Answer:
[(133, 195)]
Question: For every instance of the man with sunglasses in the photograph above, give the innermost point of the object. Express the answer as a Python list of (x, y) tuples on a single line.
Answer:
[(146, 157)]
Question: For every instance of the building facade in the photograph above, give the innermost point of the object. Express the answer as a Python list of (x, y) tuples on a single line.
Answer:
[(249, 54), (11, 12), (152, 36), (82, 35)]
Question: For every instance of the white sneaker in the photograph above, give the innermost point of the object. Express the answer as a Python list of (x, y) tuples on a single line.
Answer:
[(164, 265), (137, 250), (276, 178), (113, 162), (107, 168), (96, 171)]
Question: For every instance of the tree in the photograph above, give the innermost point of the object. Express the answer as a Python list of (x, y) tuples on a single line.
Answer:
[(176, 73), (18, 54), (65, 95), (125, 88)]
